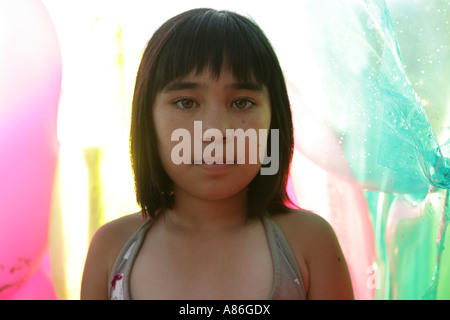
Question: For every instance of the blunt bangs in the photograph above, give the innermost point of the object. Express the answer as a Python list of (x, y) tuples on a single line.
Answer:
[(216, 40)]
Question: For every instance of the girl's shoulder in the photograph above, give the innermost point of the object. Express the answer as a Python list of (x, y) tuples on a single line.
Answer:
[(113, 235), (305, 232), (302, 225), (104, 248), (318, 253)]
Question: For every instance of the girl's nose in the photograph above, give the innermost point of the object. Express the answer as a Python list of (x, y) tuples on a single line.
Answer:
[(217, 119)]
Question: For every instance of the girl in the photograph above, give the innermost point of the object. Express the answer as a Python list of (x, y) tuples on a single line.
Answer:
[(222, 230)]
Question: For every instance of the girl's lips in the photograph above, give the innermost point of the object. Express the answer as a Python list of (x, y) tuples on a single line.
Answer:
[(210, 161), (216, 167)]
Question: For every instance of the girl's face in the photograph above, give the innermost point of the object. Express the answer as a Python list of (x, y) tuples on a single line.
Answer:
[(185, 111)]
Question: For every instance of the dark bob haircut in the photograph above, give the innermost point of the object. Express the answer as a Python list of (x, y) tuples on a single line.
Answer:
[(191, 41)]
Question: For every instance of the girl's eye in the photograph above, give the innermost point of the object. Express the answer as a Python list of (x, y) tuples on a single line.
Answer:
[(186, 103), (243, 104)]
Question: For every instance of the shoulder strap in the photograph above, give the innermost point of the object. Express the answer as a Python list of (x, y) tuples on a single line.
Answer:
[(288, 278), (124, 262)]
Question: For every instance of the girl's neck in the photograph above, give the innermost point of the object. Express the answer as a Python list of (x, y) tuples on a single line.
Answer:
[(203, 215)]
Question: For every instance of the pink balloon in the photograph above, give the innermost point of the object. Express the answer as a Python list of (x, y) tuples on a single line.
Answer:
[(30, 82), (39, 286), (349, 215)]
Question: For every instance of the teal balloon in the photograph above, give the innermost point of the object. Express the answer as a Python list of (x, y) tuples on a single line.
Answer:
[(373, 109), (374, 96)]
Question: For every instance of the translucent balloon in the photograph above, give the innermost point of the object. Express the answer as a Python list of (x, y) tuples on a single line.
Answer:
[(30, 81), (368, 106), (360, 101)]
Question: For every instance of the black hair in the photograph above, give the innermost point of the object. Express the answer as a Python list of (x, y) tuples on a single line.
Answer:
[(194, 40)]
